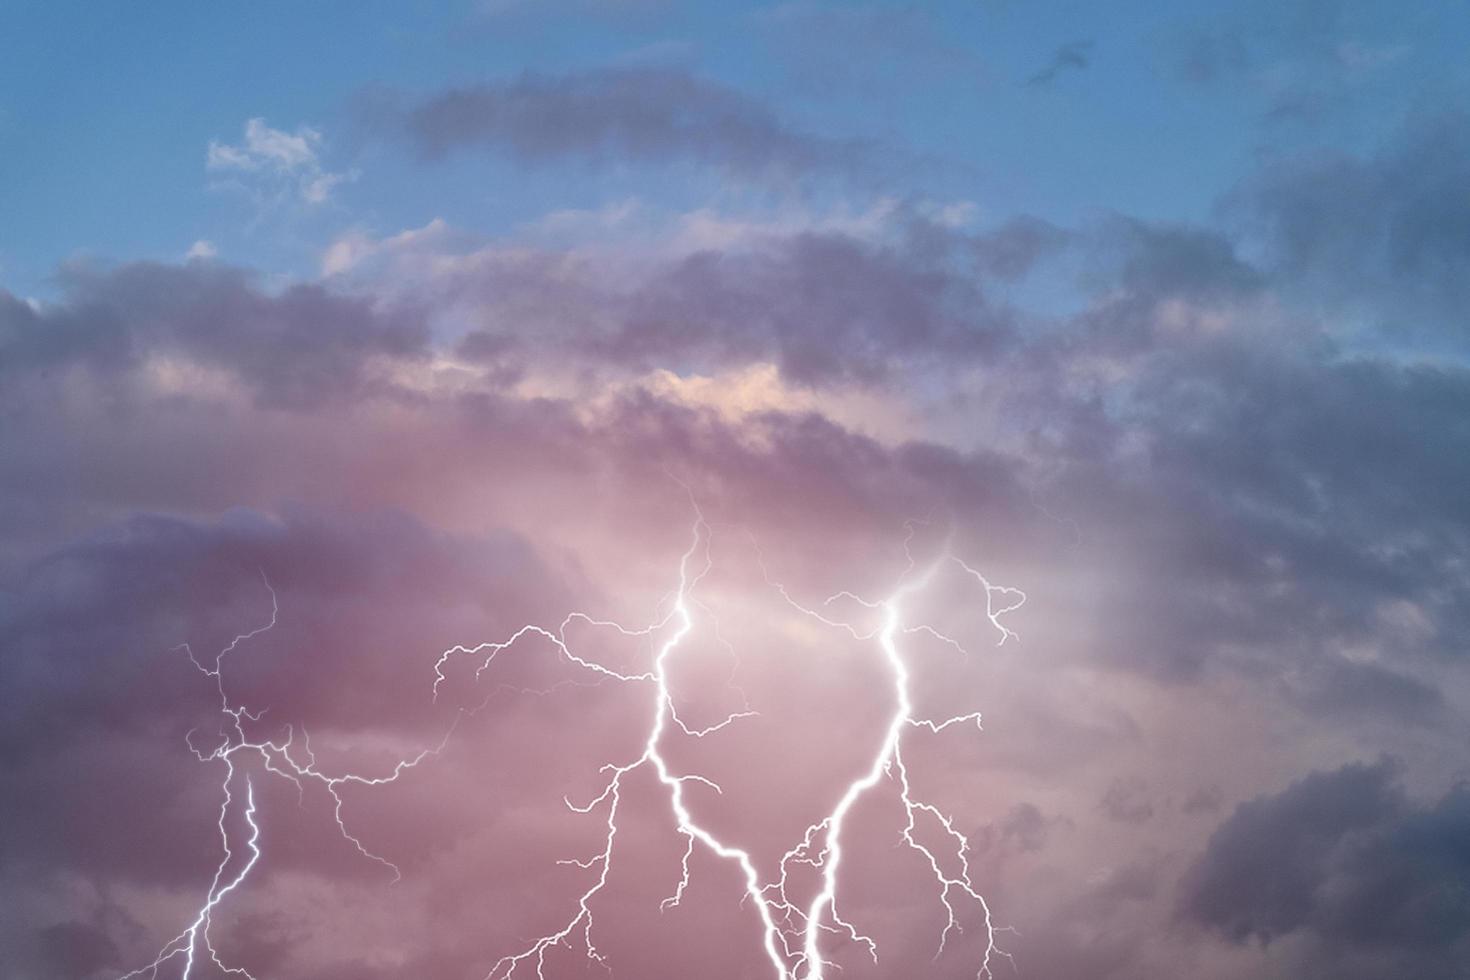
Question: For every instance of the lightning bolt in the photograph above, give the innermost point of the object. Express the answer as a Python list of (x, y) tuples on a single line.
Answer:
[(282, 756), (791, 934)]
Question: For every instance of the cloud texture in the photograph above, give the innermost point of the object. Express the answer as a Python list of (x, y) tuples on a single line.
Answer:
[(1226, 460)]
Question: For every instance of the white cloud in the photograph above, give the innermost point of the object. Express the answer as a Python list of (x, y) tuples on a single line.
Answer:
[(350, 250), (275, 165), (203, 250)]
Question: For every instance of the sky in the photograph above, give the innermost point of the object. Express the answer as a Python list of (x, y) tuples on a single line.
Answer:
[(643, 489)]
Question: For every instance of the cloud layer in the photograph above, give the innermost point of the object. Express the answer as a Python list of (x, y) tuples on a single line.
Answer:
[(1225, 460), (617, 115)]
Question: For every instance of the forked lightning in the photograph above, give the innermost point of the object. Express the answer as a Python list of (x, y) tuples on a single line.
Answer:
[(795, 935)]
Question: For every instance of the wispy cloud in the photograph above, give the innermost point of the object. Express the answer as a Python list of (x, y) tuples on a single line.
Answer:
[(202, 250), (274, 164)]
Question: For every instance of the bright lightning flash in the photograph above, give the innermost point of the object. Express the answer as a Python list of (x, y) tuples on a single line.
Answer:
[(283, 756), (791, 933)]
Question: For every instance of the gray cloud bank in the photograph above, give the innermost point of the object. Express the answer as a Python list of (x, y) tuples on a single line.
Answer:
[(1345, 858), (615, 115), (1242, 527)]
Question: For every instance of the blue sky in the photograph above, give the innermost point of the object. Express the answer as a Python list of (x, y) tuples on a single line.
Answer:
[(106, 110)]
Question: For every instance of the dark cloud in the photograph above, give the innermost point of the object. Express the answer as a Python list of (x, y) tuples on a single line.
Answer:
[(1072, 56), (135, 590), (1275, 469), (1260, 875), (1239, 516), (1347, 859), (1383, 237), (101, 697), (828, 308), (645, 115), (1369, 690), (296, 349), (1316, 460), (1012, 250), (1289, 464), (1162, 261), (1199, 486), (824, 307)]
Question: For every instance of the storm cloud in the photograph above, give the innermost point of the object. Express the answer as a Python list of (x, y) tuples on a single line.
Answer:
[(1220, 441)]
